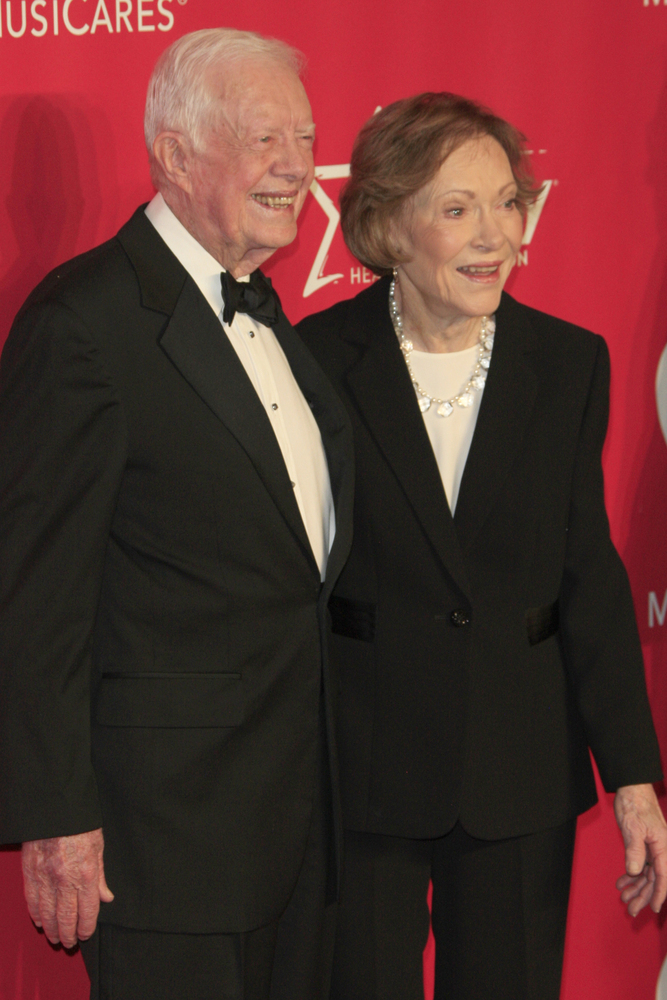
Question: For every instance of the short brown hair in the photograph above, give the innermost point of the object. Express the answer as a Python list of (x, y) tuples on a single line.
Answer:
[(399, 150)]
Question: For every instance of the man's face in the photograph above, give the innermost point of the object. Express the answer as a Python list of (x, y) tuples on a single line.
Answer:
[(250, 178)]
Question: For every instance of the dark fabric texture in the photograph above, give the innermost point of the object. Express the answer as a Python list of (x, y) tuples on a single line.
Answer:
[(450, 710), (542, 623), (161, 611), (291, 957), (355, 619), (126, 964), (499, 916)]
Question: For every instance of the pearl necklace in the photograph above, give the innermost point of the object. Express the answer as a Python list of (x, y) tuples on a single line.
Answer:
[(445, 407)]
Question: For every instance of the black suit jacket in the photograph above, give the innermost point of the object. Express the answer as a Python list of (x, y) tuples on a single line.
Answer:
[(160, 606), (460, 696)]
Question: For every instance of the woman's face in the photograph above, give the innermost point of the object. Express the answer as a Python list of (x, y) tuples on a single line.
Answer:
[(462, 231)]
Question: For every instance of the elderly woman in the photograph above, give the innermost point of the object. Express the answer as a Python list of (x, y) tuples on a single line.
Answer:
[(483, 630)]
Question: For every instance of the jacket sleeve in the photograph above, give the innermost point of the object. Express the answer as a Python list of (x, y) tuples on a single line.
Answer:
[(597, 615), (62, 448)]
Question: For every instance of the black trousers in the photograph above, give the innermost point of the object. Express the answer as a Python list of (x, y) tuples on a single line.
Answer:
[(499, 914), (290, 959)]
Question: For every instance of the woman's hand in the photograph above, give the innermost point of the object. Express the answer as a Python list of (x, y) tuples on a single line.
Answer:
[(644, 831)]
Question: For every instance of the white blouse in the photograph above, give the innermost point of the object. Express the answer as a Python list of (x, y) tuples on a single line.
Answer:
[(444, 376)]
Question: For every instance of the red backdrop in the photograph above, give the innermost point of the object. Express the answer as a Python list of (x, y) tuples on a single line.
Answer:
[(584, 79)]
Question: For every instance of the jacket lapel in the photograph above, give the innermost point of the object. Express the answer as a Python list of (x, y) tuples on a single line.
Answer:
[(197, 346), (504, 415), (383, 393), (336, 434)]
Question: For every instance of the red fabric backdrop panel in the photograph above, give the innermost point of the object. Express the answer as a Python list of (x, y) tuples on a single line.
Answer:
[(585, 81)]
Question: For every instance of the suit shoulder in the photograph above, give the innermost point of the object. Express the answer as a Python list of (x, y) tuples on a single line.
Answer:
[(326, 321), (554, 335), (322, 333), (544, 323), (354, 314), (84, 278), (62, 317), (91, 302)]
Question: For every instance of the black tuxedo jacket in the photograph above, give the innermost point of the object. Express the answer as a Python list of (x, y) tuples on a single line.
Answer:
[(479, 657), (160, 606)]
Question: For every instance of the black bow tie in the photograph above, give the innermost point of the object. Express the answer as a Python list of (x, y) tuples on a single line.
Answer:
[(255, 297)]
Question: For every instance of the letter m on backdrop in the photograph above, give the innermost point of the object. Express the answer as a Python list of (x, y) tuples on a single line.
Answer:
[(656, 610)]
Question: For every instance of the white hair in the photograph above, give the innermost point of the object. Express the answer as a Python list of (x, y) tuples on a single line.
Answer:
[(178, 96)]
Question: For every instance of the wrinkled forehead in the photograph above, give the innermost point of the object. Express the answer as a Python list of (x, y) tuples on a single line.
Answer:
[(253, 92), (476, 162)]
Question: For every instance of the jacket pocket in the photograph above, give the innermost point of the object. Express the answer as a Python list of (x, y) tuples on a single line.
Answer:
[(170, 700)]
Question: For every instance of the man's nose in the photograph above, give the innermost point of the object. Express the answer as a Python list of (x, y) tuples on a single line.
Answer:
[(293, 160)]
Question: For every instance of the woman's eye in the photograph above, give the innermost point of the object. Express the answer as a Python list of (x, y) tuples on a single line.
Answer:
[(510, 204), (455, 212)]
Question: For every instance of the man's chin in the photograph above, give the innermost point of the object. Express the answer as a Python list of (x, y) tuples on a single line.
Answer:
[(268, 243)]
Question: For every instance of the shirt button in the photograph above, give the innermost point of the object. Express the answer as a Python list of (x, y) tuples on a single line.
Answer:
[(459, 618), (274, 406), (252, 334)]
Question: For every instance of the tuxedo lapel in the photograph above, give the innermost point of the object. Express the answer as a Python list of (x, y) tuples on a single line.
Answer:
[(385, 398), (336, 434), (504, 415), (196, 344)]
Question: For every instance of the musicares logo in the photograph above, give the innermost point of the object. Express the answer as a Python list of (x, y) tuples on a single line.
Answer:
[(69, 16), (317, 279)]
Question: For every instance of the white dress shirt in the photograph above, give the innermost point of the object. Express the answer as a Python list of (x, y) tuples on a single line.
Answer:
[(267, 367)]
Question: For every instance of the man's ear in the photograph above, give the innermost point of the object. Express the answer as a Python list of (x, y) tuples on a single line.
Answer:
[(173, 157)]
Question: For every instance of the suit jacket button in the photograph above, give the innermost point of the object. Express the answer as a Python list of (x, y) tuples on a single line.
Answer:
[(459, 618)]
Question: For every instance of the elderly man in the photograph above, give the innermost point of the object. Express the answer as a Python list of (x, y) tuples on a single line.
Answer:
[(176, 504)]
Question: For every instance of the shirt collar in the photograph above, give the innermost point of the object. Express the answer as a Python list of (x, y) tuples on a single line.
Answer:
[(198, 262)]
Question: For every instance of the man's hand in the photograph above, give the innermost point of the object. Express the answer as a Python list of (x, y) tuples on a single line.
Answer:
[(63, 880), (645, 836)]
